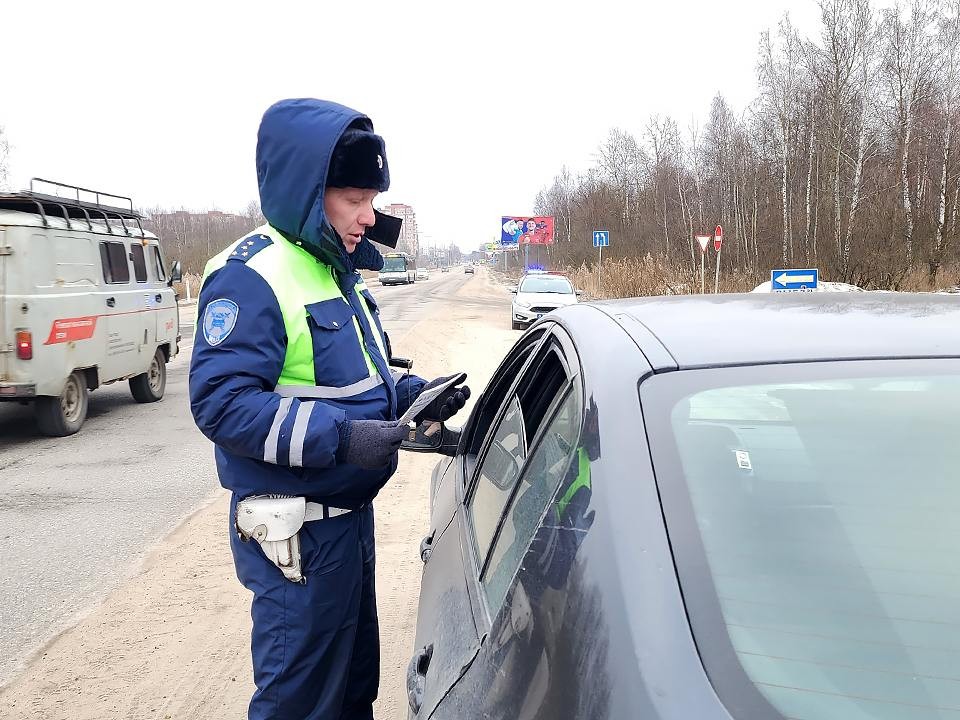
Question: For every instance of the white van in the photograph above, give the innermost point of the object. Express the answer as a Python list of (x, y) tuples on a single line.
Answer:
[(85, 300)]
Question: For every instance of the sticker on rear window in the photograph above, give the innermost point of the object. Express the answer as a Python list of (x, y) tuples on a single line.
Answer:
[(743, 460)]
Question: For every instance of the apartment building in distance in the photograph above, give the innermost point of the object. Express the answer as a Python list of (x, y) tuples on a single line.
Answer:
[(409, 242)]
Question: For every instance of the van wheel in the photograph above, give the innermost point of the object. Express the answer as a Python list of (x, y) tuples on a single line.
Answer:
[(62, 416), (149, 386)]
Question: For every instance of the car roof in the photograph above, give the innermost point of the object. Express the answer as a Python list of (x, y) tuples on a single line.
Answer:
[(718, 330)]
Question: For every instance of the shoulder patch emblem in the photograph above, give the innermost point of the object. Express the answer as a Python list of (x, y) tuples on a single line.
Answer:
[(219, 320)]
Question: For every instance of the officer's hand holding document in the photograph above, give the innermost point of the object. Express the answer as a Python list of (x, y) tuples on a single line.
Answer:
[(428, 396)]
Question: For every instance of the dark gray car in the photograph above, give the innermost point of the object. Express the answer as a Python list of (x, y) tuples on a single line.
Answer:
[(687, 508)]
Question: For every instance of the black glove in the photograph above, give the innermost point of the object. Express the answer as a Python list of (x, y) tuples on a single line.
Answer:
[(370, 443), (447, 404)]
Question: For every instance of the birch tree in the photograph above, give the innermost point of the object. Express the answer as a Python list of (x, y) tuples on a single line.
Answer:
[(948, 41), (779, 69), (908, 64)]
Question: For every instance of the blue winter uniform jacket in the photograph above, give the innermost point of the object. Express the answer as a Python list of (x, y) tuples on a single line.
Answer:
[(235, 367)]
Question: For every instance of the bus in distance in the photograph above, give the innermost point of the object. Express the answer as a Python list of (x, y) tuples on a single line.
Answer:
[(398, 269)]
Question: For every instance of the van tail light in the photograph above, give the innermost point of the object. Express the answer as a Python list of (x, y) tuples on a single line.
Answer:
[(24, 345)]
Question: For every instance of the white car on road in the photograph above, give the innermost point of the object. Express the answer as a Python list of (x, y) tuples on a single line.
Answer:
[(537, 294)]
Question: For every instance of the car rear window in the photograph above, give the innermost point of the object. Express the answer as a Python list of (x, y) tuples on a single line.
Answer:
[(826, 514)]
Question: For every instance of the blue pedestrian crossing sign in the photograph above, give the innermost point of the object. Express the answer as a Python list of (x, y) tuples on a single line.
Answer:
[(601, 238), (794, 280)]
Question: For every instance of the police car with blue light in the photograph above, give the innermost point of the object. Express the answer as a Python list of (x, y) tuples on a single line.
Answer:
[(538, 293)]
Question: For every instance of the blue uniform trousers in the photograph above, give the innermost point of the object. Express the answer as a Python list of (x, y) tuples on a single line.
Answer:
[(315, 646)]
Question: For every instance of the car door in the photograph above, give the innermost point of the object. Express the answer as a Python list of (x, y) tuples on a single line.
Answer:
[(523, 576), (447, 638), (149, 299), (121, 312), (522, 460), (166, 315)]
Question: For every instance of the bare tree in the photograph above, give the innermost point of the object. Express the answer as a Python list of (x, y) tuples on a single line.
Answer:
[(947, 95), (619, 158), (779, 83), (663, 138), (866, 72), (718, 154), (835, 64), (908, 65)]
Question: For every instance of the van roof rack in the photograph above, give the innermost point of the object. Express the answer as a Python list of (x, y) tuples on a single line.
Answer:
[(73, 207)]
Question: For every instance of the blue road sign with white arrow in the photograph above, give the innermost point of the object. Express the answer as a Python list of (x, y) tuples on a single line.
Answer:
[(794, 280), (601, 238)]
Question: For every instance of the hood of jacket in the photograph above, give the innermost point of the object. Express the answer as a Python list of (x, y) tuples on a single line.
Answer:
[(294, 145)]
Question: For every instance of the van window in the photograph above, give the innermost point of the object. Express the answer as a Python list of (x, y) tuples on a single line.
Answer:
[(113, 255), (158, 263), (139, 263)]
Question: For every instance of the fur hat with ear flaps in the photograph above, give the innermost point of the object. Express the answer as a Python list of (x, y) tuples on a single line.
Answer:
[(359, 159)]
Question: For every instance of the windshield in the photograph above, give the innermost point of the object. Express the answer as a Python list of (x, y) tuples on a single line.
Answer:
[(394, 264), (546, 284), (826, 510)]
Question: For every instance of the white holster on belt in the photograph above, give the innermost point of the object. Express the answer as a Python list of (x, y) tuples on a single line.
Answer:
[(275, 523)]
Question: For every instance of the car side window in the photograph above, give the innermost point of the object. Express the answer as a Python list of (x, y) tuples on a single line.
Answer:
[(158, 263), (546, 467), (498, 472), (139, 263), (523, 416), (113, 256)]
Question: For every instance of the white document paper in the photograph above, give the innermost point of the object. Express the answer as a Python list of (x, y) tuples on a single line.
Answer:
[(427, 397)]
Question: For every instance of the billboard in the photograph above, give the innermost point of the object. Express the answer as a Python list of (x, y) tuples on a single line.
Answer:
[(526, 230)]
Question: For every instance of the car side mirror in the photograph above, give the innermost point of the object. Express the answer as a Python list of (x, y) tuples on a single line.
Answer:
[(433, 437), (514, 291), (579, 292), (176, 273)]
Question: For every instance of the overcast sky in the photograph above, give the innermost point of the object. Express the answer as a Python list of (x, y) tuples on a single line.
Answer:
[(480, 104)]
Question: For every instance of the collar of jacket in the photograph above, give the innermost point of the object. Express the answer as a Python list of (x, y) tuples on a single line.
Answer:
[(331, 251)]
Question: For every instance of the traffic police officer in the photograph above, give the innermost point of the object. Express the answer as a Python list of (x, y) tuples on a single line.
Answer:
[(290, 379)]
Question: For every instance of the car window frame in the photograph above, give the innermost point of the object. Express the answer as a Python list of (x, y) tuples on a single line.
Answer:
[(566, 351), (570, 387), (520, 378), (530, 345), (138, 258), (107, 264), (158, 264)]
